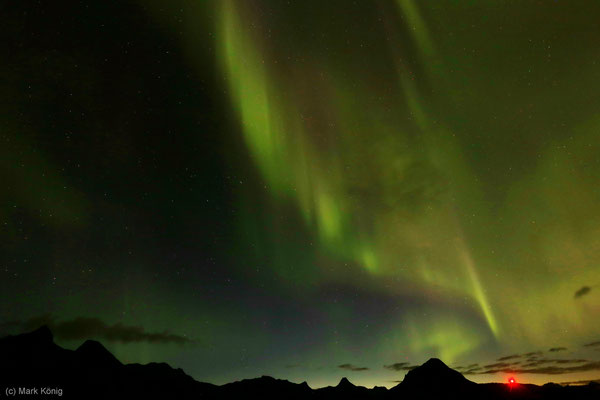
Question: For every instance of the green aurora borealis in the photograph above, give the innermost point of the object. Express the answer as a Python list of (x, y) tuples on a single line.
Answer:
[(308, 190)]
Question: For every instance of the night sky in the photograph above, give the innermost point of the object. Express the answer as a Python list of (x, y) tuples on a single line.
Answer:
[(306, 189)]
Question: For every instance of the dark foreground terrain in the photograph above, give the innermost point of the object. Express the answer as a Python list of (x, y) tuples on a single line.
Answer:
[(34, 365)]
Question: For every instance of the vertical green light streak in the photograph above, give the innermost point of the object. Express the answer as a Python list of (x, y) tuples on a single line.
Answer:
[(420, 33), (417, 26), (280, 142), (274, 133), (250, 92)]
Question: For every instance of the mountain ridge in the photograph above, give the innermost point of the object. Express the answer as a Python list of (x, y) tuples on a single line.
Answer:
[(91, 371)]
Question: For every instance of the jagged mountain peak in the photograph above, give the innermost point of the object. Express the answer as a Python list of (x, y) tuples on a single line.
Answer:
[(434, 373), (344, 382), (41, 335), (94, 352), (434, 363)]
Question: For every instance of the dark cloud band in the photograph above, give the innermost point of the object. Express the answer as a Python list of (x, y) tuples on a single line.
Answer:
[(350, 367), (583, 291), (85, 328), (557, 349)]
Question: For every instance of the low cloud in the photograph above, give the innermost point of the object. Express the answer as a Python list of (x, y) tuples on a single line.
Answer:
[(402, 366), (533, 354), (511, 357), (498, 365), (396, 366), (582, 292), (351, 367), (548, 370), (545, 361), (533, 364), (574, 361), (583, 382), (468, 369), (556, 349), (86, 328)]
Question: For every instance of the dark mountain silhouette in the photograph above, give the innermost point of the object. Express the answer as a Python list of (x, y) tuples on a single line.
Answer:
[(33, 360), (347, 390), (345, 384), (266, 386), (435, 368), (434, 379), (91, 353)]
